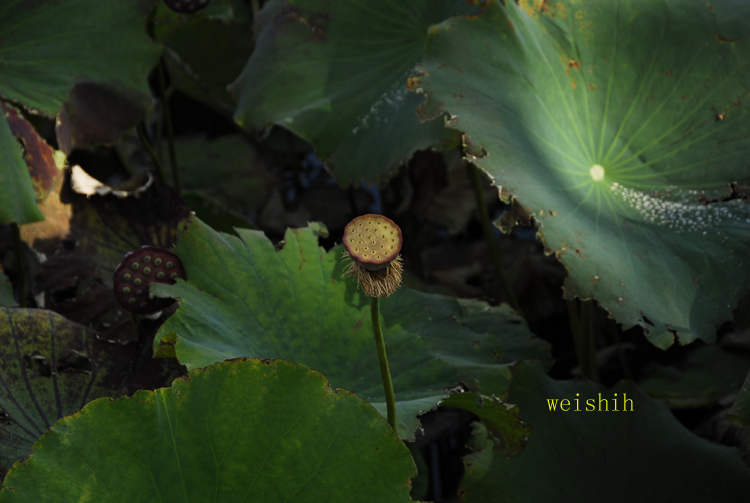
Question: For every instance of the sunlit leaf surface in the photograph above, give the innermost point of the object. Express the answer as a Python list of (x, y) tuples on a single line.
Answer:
[(623, 127)]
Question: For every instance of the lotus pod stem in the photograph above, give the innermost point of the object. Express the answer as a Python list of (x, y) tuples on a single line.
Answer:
[(373, 243)]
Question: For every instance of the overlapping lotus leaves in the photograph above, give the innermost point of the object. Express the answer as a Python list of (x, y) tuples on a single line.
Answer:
[(624, 128), (335, 72), (46, 47), (244, 298), (244, 430), (586, 456)]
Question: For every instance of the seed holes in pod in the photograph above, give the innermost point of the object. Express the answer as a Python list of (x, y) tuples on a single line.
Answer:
[(160, 274), (126, 290), (147, 258), (126, 276), (131, 300), (146, 270), (169, 264), (135, 266), (173, 275), (157, 262), (139, 292), (137, 281), (143, 304)]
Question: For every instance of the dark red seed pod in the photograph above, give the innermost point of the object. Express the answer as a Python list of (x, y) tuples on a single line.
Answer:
[(186, 6), (138, 270)]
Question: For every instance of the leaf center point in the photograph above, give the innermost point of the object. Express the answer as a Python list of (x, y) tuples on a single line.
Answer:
[(597, 172)]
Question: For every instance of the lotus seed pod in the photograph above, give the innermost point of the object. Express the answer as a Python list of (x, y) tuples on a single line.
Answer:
[(186, 6), (373, 241), (133, 272)]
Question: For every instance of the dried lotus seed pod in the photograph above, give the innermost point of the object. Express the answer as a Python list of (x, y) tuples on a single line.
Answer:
[(373, 241), (138, 270), (186, 6)]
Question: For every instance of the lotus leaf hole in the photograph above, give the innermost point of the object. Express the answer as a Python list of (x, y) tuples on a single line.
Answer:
[(146, 270), (169, 264), (126, 276), (173, 275), (135, 266), (147, 258), (160, 274), (137, 281), (139, 292), (157, 261), (126, 290), (131, 300), (597, 172)]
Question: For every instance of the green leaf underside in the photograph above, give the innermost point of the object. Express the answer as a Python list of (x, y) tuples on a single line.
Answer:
[(505, 428), (244, 430), (34, 342), (17, 200), (335, 73), (45, 47), (654, 93), (243, 298), (708, 375), (740, 412), (6, 292), (586, 456)]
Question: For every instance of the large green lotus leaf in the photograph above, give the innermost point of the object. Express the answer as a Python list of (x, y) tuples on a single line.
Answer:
[(45, 47), (334, 72), (51, 367), (620, 126), (639, 455), (244, 298), (243, 430)]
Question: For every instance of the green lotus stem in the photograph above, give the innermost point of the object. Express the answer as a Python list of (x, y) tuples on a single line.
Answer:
[(581, 324), (490, 237), (620, 352), (20, 265), (143, 136), (168, 121), (390, 396)]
